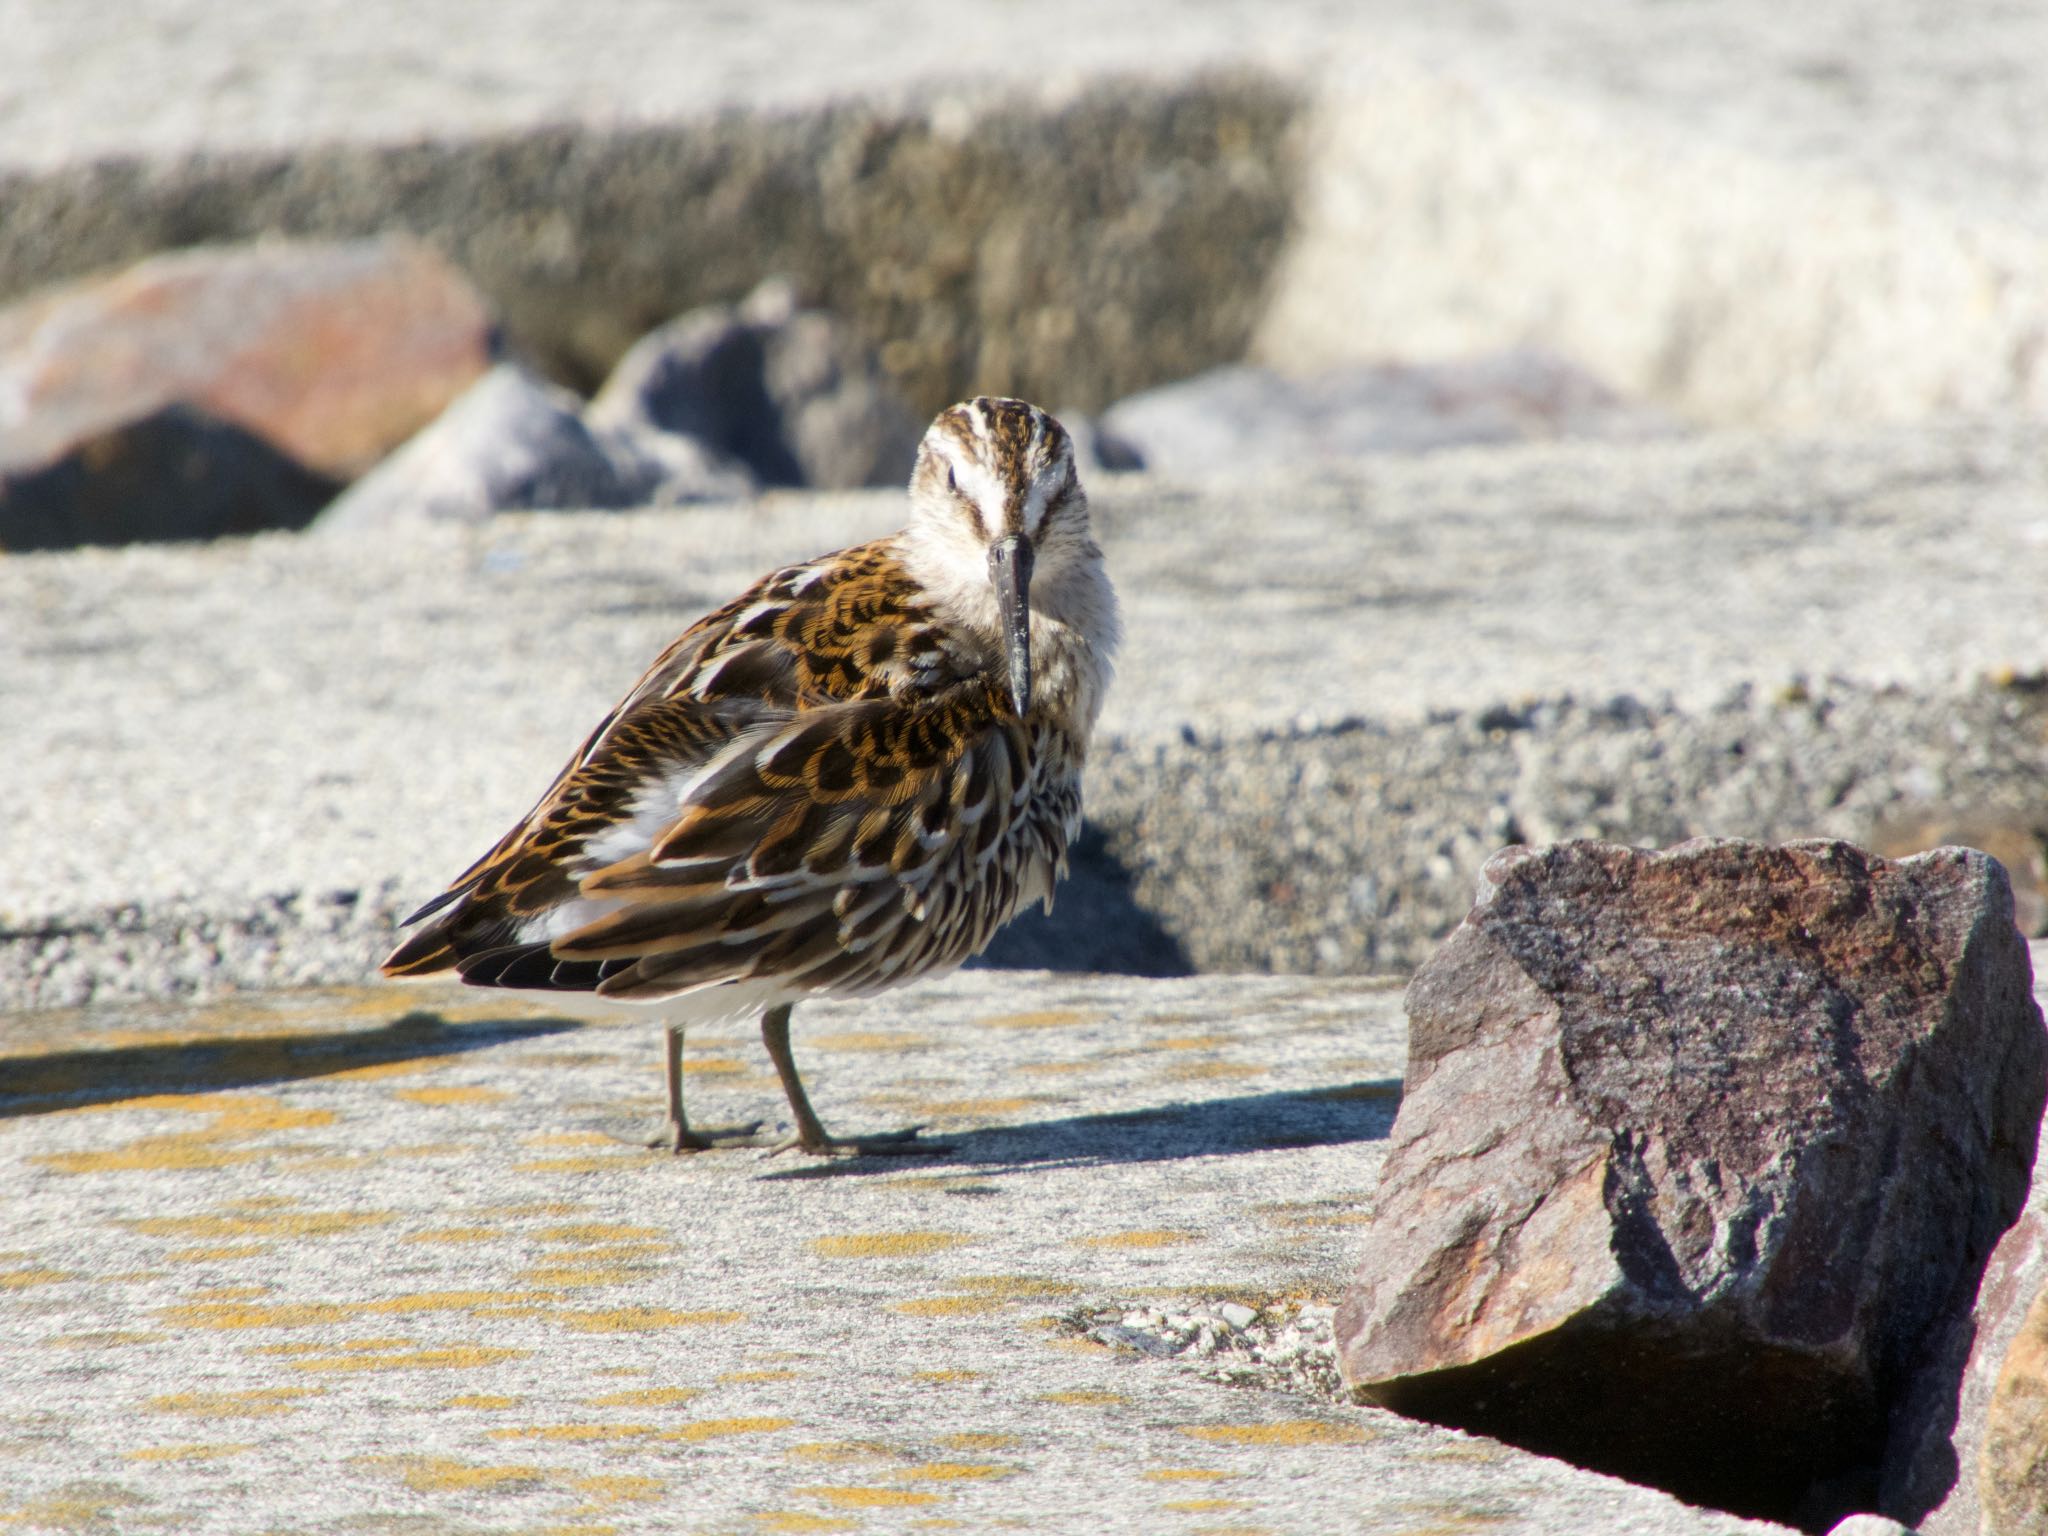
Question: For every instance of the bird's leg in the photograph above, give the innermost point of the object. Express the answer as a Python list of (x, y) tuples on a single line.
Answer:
[(810, 1131), (676, 1135)]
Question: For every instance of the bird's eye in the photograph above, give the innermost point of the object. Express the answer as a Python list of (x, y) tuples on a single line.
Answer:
[(952, 484)]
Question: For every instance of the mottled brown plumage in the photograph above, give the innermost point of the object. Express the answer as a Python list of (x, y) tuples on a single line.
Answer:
[(846, 778)]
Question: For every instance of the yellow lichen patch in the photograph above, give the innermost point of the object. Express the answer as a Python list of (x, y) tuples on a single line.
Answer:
[(643, 1319), (843, 1450), (1287, 1432), (217, 1254), (943, 1109), (1084, 1399), (574, 1164), (1203, 1506), (376, 1070), (945, 1377), (646, 1397), (485, 1400), (574, 1432), (454, 1093), (619, 1488), (753, 1376), (90, 1509), (441, 1474), (584, 1233), (868, 1498), (1187, 1475), (949, 1306), (974, 1440), (459, 1358), (1078, 1346), (714, 1429), (1045, 1018), (482, 1303), (887, 1245), (227, 1314), (568, 1139), (798, 1522), (151, 1154), (101, 1338), (1013, 1287), (713, 1066), (1193, 1042), (22, 1279), (233, 1405), (455, 1235), (952, 1472), (523, 1209), (570, 1276), (867, 1040), (1203, 1071), (190, 1452), (280, 1224), (1155, 1237)]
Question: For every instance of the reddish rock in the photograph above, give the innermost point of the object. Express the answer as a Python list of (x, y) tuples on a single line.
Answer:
[(331, 354), (1697, 1149)]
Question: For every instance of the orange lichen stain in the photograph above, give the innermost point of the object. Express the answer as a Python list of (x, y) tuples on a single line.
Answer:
[(938, 1378), (91, 1511), (1084, 1399), (568, 1139), (949, 1306), (375, 1071), (280, 1224), (1078, 1346), (1187, 1475), (1287, 1432), (643, 1319), (1203, 1506), (975, 1440), (867, 1040), (574, 1432), (482, 1400), (754, 1376), (713, 1066), (189, 1452), (646, 1397), (569, 1276), (887, 1245), (1192, 1042), (458, 1358), (843, 1450), (233, 1405), (952, 1472), (575, 1164), (1156, 1237), (1047, 1018), (102, 1338), (588, 1232), (454, 1093), (795, 1521), (868, 1498), (22, 1279), (713, 1429), (455, 1235)]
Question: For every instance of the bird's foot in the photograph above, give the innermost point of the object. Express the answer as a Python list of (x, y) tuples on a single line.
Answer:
[(679, 1138), (885, 1144)]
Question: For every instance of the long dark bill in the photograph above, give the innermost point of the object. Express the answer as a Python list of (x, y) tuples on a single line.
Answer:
[(1009, 572)]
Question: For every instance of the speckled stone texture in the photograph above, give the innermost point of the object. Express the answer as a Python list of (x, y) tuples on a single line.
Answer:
[(1698, 1149)]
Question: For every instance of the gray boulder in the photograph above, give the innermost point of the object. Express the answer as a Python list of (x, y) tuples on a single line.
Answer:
[(515, 441), (792, 394), (1697, 1149)]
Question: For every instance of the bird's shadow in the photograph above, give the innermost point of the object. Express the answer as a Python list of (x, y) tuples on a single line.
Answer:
[(69, 1079), (1255, 1122)]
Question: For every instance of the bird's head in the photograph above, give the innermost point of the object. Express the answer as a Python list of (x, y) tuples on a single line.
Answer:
[(996, 506)]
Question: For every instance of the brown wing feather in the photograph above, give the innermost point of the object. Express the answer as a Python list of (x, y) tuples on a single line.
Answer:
[(805, 639)]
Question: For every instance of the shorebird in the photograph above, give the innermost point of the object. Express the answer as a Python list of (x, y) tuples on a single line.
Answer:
[(847, 778)]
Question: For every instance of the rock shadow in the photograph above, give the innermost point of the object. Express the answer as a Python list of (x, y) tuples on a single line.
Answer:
[(1096, 924), (41, 1084), (1257, 1122)]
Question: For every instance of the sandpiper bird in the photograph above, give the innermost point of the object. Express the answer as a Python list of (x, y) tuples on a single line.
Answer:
[(848, 777)]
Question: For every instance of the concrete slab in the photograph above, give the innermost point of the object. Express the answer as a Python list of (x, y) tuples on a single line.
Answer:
[(305, 1262)]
